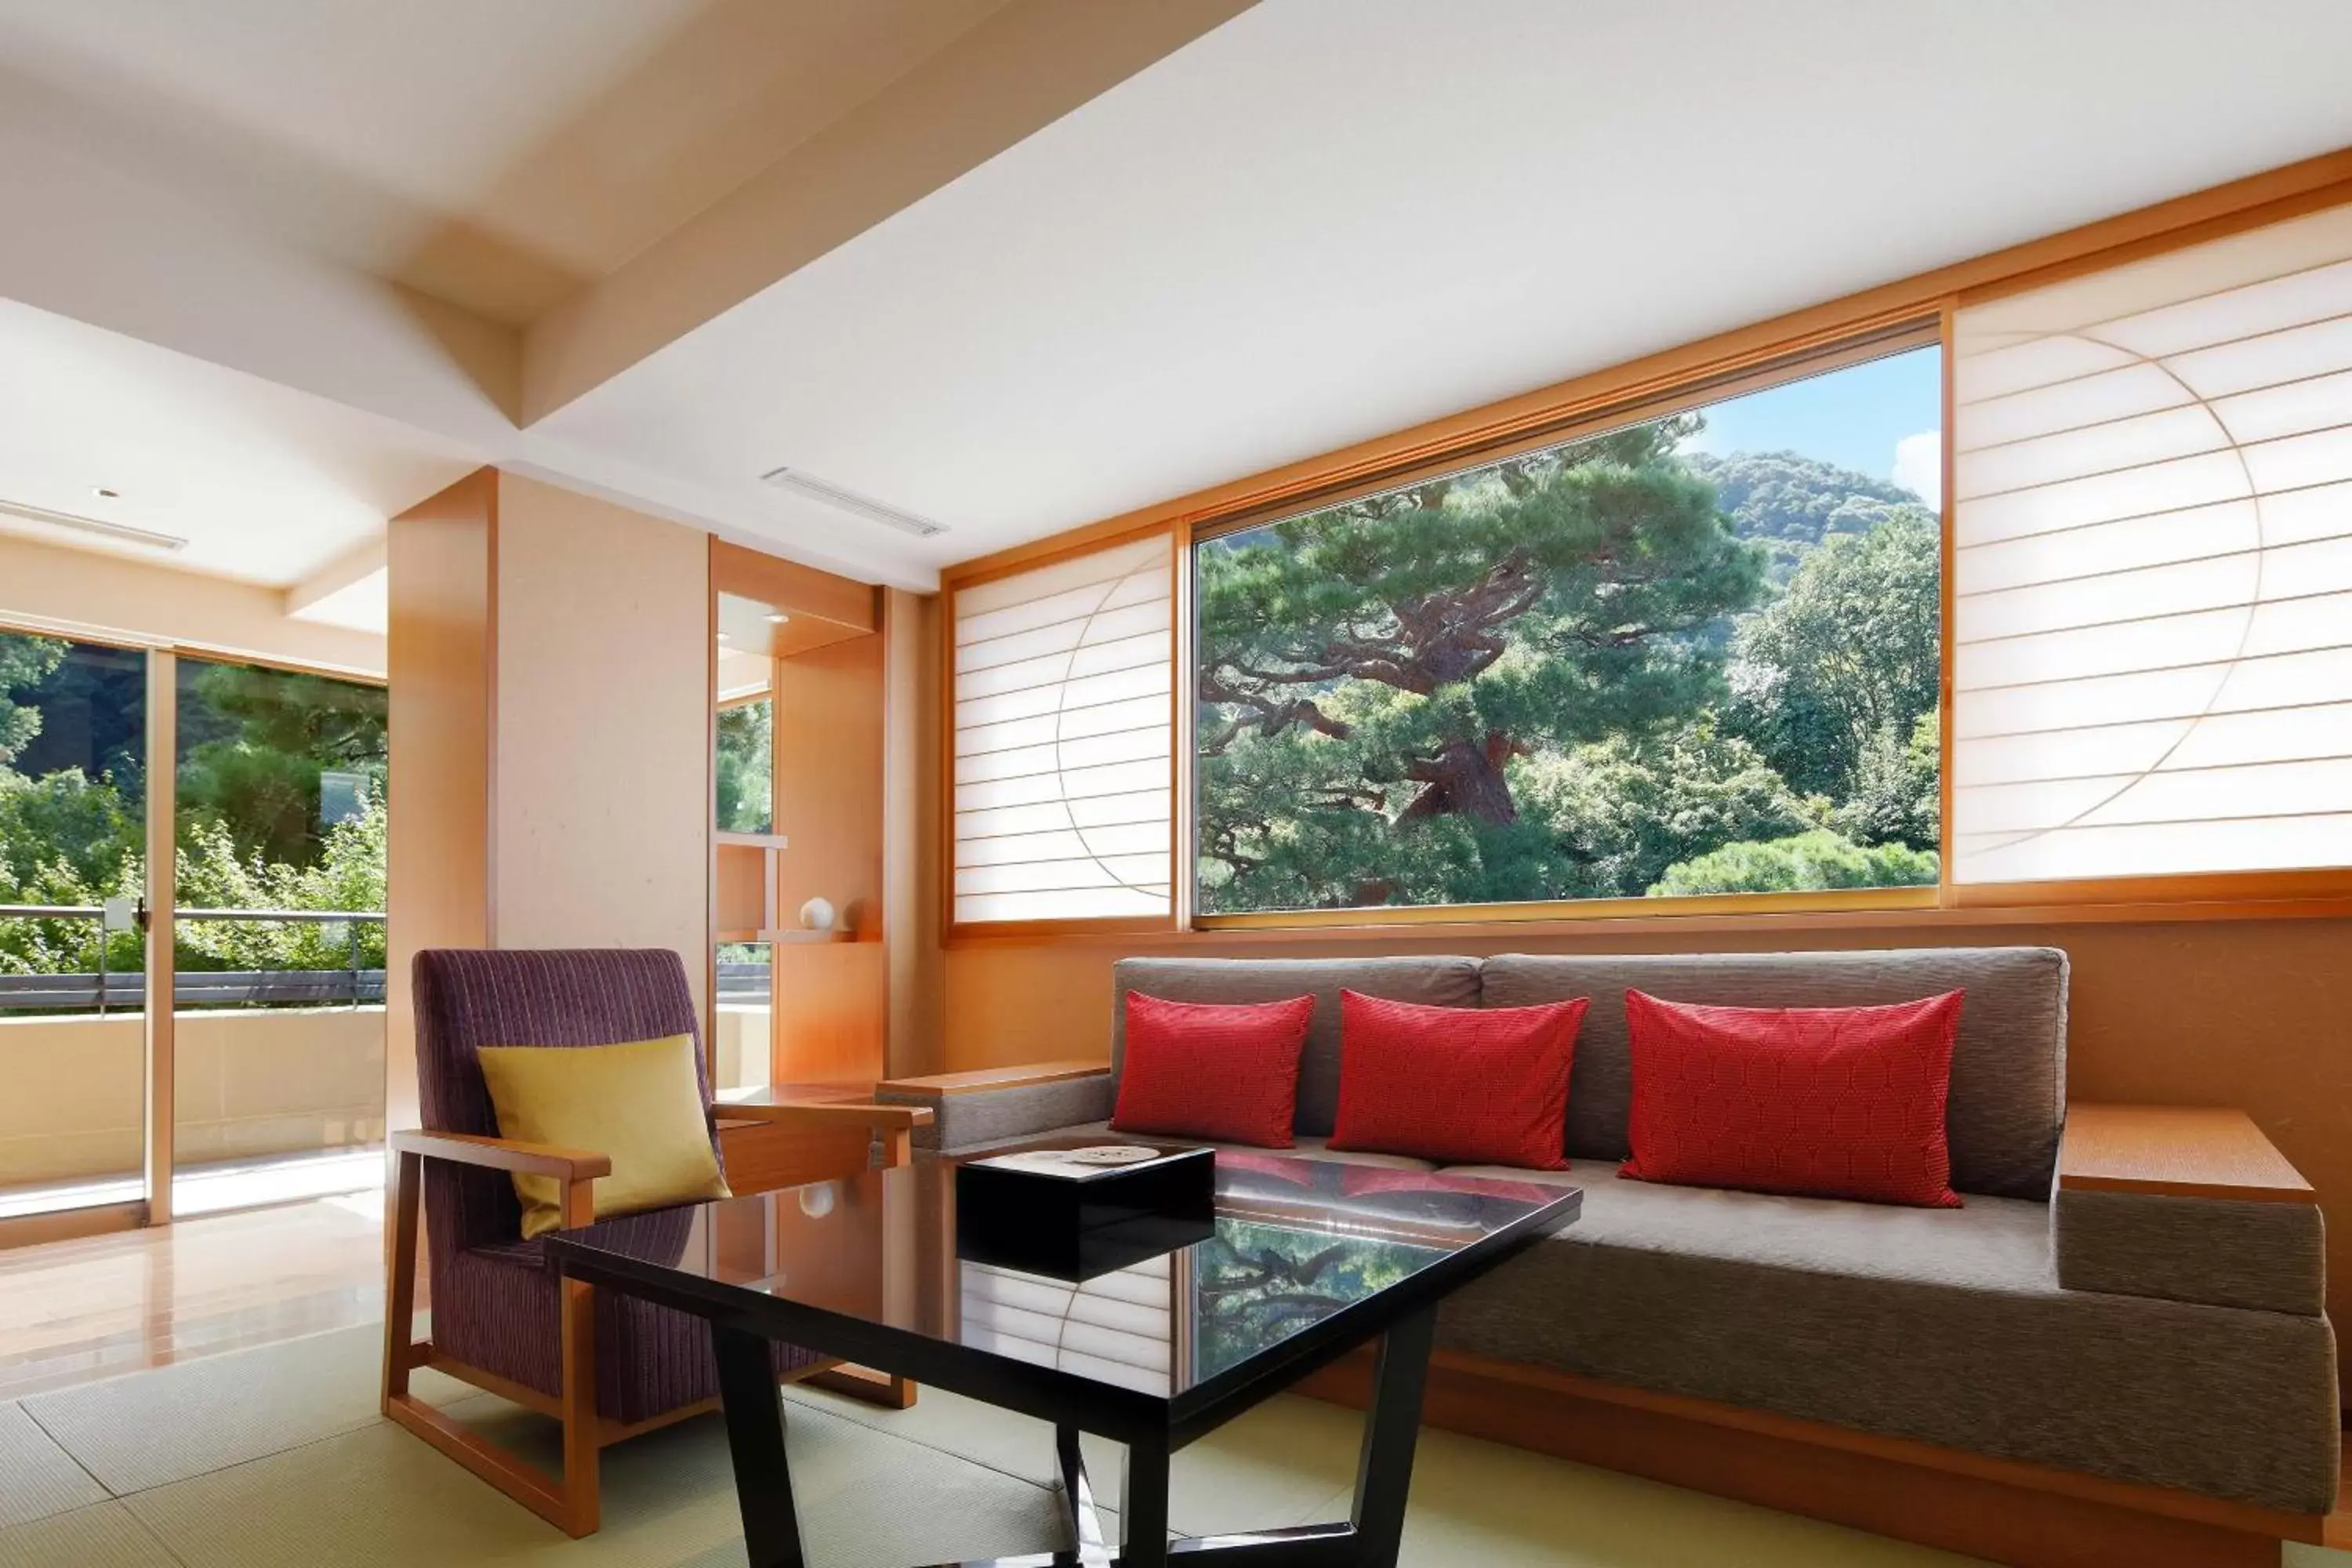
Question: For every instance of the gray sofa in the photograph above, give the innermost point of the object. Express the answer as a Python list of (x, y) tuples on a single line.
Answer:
[(2172, 1341)]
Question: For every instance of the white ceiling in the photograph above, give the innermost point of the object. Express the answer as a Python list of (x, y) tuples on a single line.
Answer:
[(494, 155), (1319, 221), (1331, 218), (266, 484)]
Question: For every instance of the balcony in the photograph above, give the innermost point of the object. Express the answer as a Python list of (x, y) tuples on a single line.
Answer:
[(280, 1078)]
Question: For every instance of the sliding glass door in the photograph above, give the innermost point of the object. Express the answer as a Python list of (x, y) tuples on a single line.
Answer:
[(230, 817), (73, 879), (279, 931)]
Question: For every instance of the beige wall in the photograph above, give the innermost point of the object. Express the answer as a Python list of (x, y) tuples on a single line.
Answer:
[(2256, 1013), (601, 811), (82, 590), (250, 1083), (551, 751)]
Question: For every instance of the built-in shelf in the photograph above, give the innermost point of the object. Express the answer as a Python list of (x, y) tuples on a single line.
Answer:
[(753, 840), (787, 936)]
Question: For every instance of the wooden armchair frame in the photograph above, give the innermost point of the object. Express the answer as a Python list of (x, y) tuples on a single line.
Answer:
[(571, 1501)]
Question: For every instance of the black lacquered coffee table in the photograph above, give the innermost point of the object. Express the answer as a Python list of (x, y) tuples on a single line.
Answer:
[(1308, 1260)]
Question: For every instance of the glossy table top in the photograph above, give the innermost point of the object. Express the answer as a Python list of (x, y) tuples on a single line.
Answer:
[(1305, 1254)]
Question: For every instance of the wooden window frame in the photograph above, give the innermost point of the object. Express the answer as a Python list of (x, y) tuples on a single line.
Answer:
[(1910, 312)]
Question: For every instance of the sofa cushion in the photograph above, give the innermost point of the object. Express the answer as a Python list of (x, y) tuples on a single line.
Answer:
[(2009, 1062), (1200, 1069), (1826, 1102), (1944, 1325), (1456, 1083), (1435, 982), (1305, 1147)]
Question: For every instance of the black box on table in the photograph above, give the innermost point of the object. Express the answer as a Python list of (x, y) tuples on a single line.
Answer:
[(1075, 1227)]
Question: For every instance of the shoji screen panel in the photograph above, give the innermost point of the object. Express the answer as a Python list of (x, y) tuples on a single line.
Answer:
[(1065, 690), (2152, 627)]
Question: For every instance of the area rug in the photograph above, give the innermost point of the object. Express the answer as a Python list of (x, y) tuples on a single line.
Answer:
[(276, 1457)]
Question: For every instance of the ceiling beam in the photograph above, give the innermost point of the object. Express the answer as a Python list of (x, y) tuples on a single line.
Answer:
[(1015, 73)]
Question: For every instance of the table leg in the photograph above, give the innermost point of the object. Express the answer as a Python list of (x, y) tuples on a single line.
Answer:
[(1391, 1427), (755, 1438), (1087, 1536), (1143, 1506)]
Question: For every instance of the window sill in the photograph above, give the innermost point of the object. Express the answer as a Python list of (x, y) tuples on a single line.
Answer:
[(1348, 927)]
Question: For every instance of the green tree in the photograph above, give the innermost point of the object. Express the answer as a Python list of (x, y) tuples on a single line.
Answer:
[(1897, 790), (262, 739), (24, 663), (1368, 673), (1623, 810), (746, 761), (1847, 659), (1807, 862)]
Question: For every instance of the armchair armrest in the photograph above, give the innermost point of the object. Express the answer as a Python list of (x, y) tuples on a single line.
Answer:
[(2185, 1203), (503, 1154), (991, 1105), (576, 1169)]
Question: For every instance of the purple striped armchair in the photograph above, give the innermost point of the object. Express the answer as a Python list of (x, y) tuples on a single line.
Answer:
[(608, 1366)]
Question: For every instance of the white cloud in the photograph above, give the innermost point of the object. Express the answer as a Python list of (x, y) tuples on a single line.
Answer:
[(1919, 465)]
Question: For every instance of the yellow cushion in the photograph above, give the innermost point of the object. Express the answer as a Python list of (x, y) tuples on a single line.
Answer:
[(638, 1104)]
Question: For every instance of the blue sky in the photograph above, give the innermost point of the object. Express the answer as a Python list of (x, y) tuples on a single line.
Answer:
[(1854, 418)]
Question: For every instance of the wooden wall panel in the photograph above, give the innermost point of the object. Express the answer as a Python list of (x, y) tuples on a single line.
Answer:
[(601, 815), (441, 650), (831, 997), (910, 806)]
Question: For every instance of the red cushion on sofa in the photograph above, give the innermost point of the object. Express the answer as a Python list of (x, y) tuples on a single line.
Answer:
[(1834, 1102), (1484, 1086), (1203, 1071)]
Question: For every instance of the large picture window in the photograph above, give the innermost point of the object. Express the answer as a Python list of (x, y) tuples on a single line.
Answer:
[(1698, 655)]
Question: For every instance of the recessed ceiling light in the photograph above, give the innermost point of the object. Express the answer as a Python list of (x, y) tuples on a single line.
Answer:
[(779, 618), (828, 494)]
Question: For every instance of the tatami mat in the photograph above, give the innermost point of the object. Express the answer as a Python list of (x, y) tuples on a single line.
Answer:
[(154, 1427), (38, 1478), (386, 1500), (106, 1536), (1279, 1464)]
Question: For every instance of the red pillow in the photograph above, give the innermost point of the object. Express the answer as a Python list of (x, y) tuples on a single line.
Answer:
[(1200, 1070), (1483, 1085), (1831, 1103)]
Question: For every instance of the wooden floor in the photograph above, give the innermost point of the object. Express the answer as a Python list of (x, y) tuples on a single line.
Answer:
[(77, 1311)]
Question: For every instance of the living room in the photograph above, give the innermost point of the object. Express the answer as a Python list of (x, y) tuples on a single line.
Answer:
[(1015, 781)]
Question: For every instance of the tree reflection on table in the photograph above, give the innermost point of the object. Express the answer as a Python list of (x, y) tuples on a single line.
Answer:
[(1254, 1284)]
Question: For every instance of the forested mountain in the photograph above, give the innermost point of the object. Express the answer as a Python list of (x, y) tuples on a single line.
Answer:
[(1786, 502)]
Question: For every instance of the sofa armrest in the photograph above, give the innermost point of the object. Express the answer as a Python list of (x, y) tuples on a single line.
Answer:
[(991, 1105), (2185, 1203)]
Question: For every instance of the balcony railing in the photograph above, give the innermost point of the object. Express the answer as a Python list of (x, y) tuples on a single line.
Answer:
[(105, 990)]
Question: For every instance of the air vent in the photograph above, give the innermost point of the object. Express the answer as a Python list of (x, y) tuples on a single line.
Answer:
[(834, 496), (95, 527)]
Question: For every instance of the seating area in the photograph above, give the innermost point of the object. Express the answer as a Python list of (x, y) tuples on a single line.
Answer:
[(1261, 784), (2162, 1327)]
